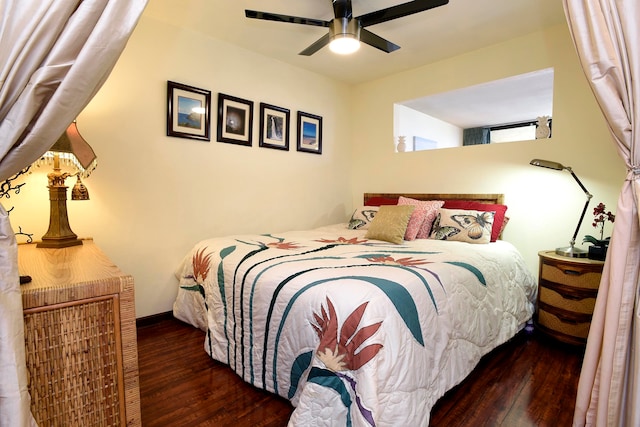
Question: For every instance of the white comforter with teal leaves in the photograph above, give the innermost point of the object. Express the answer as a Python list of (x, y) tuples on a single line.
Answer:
[(354, 332)]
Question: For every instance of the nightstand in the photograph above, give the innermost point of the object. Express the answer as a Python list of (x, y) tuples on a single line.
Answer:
[(567, 290), (80, 337)]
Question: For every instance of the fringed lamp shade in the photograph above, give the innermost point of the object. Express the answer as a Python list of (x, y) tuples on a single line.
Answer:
[(73, 151)]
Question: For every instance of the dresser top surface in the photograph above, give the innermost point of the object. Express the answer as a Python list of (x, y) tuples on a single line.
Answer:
[(66, 266), (551, 254)]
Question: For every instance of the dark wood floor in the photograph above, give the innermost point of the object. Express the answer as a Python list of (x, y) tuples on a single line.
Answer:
[(530, 381)]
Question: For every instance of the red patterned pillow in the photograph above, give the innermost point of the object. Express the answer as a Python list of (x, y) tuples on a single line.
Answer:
[(498, 219), (422, 218), (381, 201)]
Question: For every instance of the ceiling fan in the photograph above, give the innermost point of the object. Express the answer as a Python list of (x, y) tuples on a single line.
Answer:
[(348, 30)]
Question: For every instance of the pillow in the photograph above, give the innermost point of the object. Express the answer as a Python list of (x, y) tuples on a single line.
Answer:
[(390, 223), (504, 224), (498, 220), (381, 201), (362, 217), (422, 217), (463, 225)]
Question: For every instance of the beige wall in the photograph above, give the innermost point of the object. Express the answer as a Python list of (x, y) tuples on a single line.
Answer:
[(544, 205), (153, 197)]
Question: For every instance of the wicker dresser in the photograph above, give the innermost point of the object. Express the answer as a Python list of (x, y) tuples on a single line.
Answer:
[(566, 296), (80, 337)]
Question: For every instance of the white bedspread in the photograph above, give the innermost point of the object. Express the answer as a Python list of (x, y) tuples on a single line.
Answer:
[(353, 332)]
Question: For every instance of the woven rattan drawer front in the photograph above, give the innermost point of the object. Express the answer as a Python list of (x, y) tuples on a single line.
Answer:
[(571, 275), (571, 327), (74, 365), (576, 302)]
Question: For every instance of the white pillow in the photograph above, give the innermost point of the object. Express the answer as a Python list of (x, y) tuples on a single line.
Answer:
[(463, 225), (362, 217)]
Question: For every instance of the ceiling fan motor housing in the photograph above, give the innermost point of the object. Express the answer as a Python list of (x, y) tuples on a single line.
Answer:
[(343, 27)]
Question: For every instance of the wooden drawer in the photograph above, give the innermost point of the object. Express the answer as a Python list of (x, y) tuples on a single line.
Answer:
[(571, 301), (571, 329), (578, 276)]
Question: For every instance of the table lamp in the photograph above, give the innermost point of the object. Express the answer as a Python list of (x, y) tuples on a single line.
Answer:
[(571, 250), (73, 151)]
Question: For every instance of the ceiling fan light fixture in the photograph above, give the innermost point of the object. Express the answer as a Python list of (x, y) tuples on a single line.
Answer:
[(344, 35), (344, 44)]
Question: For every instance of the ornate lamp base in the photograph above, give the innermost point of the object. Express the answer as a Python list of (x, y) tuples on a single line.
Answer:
[(59, 234)]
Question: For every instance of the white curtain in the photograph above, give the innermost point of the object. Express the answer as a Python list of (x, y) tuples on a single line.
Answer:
[(607, 39), (54, 56)]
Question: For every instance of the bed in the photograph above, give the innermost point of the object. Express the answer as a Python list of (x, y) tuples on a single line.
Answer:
[(353, 330)]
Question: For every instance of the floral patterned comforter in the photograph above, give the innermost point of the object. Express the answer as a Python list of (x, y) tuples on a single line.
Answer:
[(354, 332)]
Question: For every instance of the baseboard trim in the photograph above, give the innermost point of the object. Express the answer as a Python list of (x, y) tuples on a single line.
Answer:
[(153, 319)]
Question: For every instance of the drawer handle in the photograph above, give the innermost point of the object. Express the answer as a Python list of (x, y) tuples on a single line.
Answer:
[(571, 272), (575, 297), (569, 320)]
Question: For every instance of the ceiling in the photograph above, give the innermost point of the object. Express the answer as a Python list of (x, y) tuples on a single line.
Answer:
[(436, 34), (514, 99)]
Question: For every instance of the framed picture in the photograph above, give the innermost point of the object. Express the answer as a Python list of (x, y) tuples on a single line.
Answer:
[(188, 111), (235, 120), (309, 133), (274, 127)]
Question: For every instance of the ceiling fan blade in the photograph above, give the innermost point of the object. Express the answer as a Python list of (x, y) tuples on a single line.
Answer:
[(378, 42), (285, 18), (399, 11), (319, 44), (342, 9)]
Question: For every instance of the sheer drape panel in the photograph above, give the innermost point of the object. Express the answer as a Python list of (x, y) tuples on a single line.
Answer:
[(71, 62), (605, 33), (54, 57), (14, 399)]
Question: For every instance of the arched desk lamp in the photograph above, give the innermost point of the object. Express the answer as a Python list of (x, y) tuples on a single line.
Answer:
[(72, 150), (571, 250)]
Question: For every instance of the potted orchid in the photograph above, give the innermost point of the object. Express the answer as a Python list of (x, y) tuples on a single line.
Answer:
[(598, 248)]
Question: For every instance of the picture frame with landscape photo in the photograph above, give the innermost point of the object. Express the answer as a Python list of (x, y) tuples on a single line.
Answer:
[(309, 133), (235, 120), (274, 127), (188, 111)]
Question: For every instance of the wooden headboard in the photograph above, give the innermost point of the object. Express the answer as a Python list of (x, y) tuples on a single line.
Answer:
[(482, 198)]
